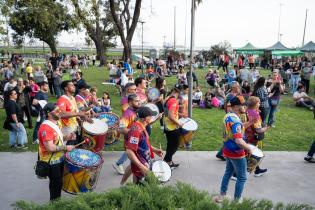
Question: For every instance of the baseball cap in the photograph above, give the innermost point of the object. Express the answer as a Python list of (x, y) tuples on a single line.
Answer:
[(238, 100), (178, 87), (49, 108), (83, 86), (144, 112)]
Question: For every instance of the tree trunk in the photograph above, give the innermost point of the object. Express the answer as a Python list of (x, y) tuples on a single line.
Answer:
[(52, 45), (127, 53), (100, 51)]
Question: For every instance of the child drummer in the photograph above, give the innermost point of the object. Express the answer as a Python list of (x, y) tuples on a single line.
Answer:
[(138, 147)]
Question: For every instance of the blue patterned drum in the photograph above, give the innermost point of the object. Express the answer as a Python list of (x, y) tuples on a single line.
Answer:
[(112, 120), (81, 171), (153, 94)]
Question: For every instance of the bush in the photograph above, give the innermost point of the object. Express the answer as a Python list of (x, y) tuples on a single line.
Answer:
[(153, 196)]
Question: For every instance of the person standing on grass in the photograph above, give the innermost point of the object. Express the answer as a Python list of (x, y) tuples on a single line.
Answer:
[(306, 76), (309, 157), (14, 121), (93, 59), (261, 92), (41, 95), (234, 150)]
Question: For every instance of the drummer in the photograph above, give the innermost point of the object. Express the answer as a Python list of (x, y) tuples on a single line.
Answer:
[(141, 85), (130, 88), (52, 148), (69, 111), (171, 126), (255, 132), (81, 98), (234, 150), (183, 108), (125, 122), (138, 147)]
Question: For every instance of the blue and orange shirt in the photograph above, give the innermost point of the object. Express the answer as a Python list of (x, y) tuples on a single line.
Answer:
[(234, 129)]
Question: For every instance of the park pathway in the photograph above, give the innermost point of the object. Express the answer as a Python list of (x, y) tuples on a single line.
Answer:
[(289, 178)]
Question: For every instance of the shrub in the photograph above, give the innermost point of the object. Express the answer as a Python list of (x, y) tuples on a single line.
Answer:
[(153, 196)]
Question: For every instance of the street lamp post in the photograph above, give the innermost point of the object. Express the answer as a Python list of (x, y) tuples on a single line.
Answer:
[(142, 22), (192, 43)]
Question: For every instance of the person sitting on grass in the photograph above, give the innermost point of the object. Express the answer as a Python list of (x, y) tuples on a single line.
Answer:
[(197, 97), (301, 99)]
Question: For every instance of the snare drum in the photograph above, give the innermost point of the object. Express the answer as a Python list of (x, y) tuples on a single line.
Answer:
[(153, 94), (254, 159), (161, 170), (154, 108), (96, 133), (187, 131), (81, 171), (112, 120)]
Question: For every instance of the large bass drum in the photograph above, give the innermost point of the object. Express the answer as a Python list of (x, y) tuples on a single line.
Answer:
[(81, 171), (96, 133), (254, 159), (112, 120)]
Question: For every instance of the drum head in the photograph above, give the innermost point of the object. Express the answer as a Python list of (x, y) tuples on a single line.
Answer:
[(153, 94), (161, 170), (84, 158), (97, 127), (256, 151), (154, 108), (189, 124), (111, 119)]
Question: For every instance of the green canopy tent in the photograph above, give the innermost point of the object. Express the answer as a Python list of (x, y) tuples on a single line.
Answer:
[(286, 52), (249, 49), (277, 47), (309, 47)]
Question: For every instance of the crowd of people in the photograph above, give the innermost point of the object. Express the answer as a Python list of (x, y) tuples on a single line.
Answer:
[(249, 100)]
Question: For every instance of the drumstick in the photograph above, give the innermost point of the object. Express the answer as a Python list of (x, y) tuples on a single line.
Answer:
[(87, 140)]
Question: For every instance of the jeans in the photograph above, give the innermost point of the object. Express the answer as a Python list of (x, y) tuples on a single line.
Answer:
[(172, 144), (312, 150), (295, 79), (122, 159), (263, 114), (307, 104), (239, 166), (19, 133), (272, 110), (57, 90), (306, 83), (35, 132)]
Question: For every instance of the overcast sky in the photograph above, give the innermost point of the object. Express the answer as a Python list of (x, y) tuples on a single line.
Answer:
[(240, 21)]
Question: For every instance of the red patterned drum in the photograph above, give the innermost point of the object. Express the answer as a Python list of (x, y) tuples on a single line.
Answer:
[(96, 133), (112, 120)]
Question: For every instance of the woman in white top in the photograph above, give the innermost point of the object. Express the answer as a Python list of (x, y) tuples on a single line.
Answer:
[(197, 96)]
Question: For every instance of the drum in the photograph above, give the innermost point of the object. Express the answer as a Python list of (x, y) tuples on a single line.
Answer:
[(254, 159), (81, 171), (153, 94), (96, 133), (112, 120), (187, 131), (161, 170), (154, 108)]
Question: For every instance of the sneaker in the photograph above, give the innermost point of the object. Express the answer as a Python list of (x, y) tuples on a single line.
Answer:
[(162, 127), (309, 159), (220, 157), (173, 165), (234, 178), (119, 169), (260, 172), (21, 146), (221, 198), (311, 108), (273, 125), (35, 142), (13, 146)]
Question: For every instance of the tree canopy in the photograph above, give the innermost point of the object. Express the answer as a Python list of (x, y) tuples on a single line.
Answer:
[(42, 19)]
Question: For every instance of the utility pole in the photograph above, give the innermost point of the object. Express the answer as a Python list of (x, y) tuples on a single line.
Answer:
[(304, 27), (185, 29), (192, 43), (279, 23), (174, 28), (142, 22)]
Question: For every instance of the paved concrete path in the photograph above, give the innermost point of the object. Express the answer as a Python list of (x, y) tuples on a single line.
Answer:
[(289, 178)]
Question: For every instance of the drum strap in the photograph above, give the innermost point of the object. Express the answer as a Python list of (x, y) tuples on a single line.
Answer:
[(146, 138), (56, 129), (85, 103)]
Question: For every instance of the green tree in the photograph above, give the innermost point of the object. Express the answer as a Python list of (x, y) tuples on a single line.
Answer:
[(95, 17), (42, 19), (125, 22)]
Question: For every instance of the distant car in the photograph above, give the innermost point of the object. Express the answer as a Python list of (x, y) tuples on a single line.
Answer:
[(76, 48)]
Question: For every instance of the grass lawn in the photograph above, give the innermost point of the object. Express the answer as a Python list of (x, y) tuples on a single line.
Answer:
[(294, 126)]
